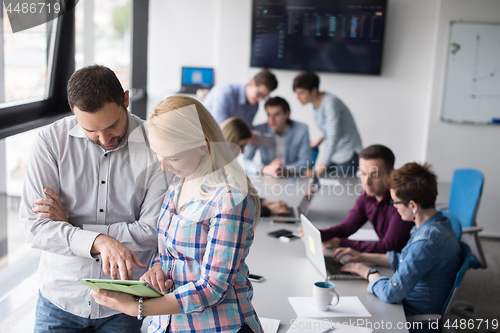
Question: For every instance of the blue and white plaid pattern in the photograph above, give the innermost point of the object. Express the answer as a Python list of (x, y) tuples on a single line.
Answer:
[(202, 249)]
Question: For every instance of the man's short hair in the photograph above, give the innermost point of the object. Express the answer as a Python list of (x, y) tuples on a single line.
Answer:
[(374, 152), (89, 88), (414, 181), (306, 80), (278, 101), (267, 79)]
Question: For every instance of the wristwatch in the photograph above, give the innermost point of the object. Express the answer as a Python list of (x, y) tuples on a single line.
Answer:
[(371, 271)]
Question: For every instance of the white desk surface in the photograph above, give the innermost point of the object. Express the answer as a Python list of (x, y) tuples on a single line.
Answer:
[(288, 272)]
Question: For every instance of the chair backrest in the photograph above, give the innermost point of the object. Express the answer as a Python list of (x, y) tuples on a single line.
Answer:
[(465, 256), (465, 193), (455, 222)]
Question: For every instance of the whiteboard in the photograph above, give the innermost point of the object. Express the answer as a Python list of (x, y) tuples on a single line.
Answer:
[(472, 85)]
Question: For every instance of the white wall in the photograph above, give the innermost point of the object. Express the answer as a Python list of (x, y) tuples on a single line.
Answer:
[(181, 33), (452, 146), (395, 101), (399, 108)]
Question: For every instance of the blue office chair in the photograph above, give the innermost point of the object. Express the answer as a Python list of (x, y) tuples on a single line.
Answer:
[(455, 222), (444, 316), (465, 194)]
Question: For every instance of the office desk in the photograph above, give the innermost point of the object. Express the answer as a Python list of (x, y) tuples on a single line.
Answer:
[(288, 272)]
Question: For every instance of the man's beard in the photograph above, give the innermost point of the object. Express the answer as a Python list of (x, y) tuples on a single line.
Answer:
[(118, 138)]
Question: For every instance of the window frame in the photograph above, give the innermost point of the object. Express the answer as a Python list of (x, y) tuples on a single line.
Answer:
[(28, 115)]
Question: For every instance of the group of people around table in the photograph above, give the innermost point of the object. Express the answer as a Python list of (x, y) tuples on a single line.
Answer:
[(106, 192), (292, 154)]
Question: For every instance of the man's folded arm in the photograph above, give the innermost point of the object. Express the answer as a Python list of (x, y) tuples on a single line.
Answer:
[(58, 237)]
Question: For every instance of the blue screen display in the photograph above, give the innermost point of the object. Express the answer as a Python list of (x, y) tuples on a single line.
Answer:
[(203, 77)]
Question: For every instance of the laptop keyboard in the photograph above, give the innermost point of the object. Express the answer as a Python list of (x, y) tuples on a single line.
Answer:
[(291, 214), (333, 269)]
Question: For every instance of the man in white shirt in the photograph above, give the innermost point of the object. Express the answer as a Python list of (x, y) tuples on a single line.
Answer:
[(90, 203)]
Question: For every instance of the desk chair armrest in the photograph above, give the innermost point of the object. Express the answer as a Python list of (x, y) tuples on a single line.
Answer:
[(423, 318), (471, 230), (441, 206)]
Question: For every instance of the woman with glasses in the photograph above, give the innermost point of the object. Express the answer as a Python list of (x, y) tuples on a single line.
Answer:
[(426, 268), (205, 229)]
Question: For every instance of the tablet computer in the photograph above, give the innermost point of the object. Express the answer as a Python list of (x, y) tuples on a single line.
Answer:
[(136, 288), (265, 140)]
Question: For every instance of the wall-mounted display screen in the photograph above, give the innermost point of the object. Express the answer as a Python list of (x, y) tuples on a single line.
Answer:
[(319, 35)]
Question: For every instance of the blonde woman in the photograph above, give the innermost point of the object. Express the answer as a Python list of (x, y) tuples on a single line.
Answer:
[(205, 229), (236, 131)]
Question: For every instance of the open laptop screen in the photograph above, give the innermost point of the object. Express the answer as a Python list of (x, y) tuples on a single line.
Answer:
[(197, 76)]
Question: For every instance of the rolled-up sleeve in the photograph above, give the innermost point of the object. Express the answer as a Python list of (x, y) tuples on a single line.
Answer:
[(230, 230), (393, 259), (420, 258)]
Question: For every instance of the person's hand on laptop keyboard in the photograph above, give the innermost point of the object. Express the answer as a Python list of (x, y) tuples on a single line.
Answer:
[(342, 252)]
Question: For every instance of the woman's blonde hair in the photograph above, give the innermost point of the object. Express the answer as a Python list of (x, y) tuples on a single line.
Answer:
[(235, 129), (182, 119)]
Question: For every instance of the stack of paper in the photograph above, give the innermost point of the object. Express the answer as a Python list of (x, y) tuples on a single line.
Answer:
[(349, 306), (305, 325), (269, 325)]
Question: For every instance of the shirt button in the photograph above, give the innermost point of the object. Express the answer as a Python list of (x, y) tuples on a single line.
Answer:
[(97, 260), (101, 210), (103, 182), (105, 154), (89, 303), (401, 260), (395, 284)]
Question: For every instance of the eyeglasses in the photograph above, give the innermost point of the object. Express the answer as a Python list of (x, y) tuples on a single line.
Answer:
[(398, 202), (261, 96)]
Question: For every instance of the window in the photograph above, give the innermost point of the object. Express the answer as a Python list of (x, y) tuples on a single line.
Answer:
[(103, 37), (26, 54)]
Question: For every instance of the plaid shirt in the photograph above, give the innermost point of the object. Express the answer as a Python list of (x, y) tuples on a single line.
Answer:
[(203, 250)]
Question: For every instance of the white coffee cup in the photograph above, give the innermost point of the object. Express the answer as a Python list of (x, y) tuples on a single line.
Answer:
[(323, 295)]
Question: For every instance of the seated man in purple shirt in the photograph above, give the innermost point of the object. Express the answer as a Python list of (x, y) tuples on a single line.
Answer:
[(240, 100), (373, 205)]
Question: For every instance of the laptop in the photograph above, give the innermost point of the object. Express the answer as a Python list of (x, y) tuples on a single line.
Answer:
[(194, 78), (303, 207), (326, 265)]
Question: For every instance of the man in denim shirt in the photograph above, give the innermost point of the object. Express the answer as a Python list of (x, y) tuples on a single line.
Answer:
[(427, 266)]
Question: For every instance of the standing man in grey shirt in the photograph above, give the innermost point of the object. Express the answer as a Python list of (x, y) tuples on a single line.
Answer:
[(342, 142), (90, 202)]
